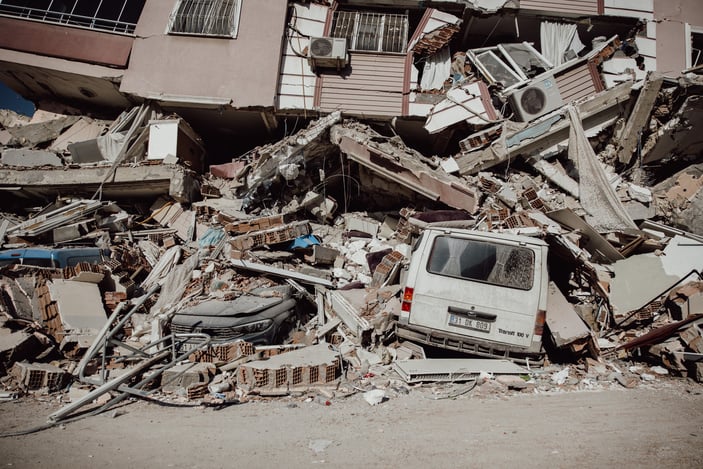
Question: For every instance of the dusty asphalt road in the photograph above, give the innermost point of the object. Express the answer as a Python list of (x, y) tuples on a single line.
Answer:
[(654, 426)]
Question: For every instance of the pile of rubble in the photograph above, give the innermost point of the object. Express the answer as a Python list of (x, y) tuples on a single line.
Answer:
[(281, 273)]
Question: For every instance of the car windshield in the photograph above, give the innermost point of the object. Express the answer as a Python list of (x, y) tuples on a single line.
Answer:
[(497, 264)]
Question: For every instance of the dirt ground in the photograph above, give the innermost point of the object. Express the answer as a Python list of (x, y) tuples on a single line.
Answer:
[(654, 425)]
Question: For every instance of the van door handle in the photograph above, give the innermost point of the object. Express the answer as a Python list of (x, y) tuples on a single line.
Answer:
[(472, 314)]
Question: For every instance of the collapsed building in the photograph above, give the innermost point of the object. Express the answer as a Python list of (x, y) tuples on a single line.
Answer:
[(235, 256)]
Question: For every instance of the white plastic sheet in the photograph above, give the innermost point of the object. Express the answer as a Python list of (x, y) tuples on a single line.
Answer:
[(556, 39), (437, 69)]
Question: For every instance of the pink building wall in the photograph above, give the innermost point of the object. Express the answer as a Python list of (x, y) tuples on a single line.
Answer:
[(672, 33), (244, 69), (84, 45)]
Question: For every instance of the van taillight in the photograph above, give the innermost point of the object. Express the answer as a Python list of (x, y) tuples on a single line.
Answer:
[(539, 323), (407, 299)]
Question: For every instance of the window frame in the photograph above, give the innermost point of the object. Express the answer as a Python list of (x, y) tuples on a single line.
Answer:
[(433, 264), (234, 29), (353, 29), (690, 50)]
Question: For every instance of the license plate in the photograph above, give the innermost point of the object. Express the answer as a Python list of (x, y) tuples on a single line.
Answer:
[(469, 323)]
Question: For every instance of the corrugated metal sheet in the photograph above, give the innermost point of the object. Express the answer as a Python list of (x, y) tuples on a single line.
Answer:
[(581, 7), (576, 83), (373, 88)]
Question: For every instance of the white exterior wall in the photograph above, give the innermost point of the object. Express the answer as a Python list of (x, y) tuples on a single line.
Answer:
[(644, 10), (296, 89)]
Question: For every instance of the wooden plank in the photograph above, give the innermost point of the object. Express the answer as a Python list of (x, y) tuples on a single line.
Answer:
[(639, 117)]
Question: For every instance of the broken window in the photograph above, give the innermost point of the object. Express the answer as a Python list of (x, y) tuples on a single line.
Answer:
[(206, 18), (509, 64), (497, 264), (525, 58), (696, 49), (119, 16), (496, 70), (380, 32)]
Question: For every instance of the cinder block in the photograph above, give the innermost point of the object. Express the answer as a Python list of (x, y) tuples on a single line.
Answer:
[(316, 365), (35, 376), (223, 353), (183, 376)]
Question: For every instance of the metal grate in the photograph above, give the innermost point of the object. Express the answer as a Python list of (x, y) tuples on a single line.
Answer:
[(372, 31), (206, 17), (114, 16)]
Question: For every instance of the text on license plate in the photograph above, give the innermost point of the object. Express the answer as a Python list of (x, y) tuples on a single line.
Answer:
[(469, 323)]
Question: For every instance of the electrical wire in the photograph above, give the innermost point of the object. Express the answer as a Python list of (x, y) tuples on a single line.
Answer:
[(93, 413), (467, 389)]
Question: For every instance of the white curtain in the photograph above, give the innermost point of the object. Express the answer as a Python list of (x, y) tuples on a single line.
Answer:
[(438, 68), (556, 39)]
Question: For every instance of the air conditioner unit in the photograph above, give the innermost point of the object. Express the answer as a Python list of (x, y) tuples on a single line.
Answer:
[(328, 52), (536, 99)]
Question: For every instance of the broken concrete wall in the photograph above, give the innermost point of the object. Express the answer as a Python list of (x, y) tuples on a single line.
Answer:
[(674, 20)]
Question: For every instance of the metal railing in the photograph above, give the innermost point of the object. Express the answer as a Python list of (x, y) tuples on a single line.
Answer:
[(47, 15), (372, 31), (217, 18)]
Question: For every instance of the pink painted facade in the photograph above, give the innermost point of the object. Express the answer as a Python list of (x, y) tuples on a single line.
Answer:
[(83, 45), (676, 20), (242, 71)]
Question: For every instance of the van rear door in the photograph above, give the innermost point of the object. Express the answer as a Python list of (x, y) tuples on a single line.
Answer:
[(480, 287)]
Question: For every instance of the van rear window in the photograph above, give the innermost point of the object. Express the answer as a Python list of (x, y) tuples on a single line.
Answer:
[(497, 264)]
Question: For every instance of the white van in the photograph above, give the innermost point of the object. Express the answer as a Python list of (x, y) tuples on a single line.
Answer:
[(476, 292)]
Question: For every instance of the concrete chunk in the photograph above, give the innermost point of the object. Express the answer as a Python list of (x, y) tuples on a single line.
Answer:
[(453, 369), (185, 375), (34, 376), (316, 365), (29, 158), (566, 326)]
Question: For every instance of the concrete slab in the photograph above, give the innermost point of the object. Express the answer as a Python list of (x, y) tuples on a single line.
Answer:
[(150, 180), (640, 279), (453, 369), (79, 304), (39, 132), (564, 323), (29, 158), (83, 130), (316, 365)]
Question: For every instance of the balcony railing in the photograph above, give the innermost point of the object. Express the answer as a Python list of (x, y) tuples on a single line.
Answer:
[(66, 17)]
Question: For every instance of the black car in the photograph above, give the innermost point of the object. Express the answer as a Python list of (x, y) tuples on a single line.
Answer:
[(262, 317)]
